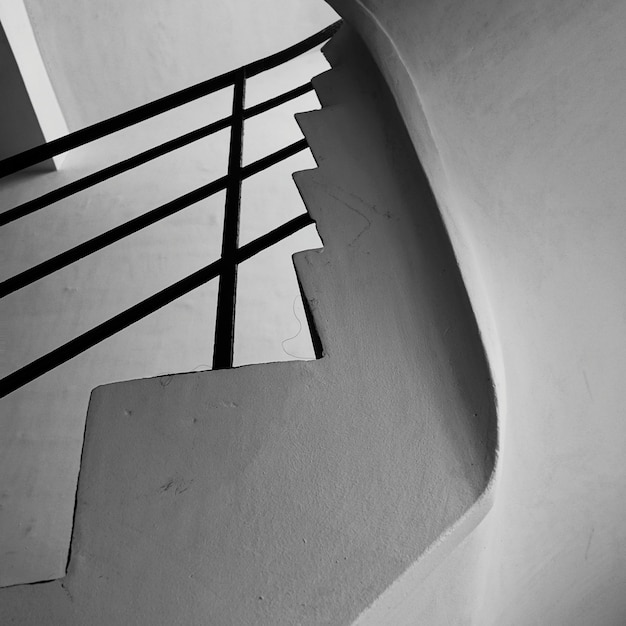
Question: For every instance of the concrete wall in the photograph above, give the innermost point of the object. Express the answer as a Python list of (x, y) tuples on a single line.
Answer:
[(103, 58), (516, 111), (20, 128), (29, 112), (296, 493)]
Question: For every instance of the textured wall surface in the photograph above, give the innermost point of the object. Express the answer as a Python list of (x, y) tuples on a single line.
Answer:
[(296, 493), (19, 128), (30, 113), (103, 58), (516, 110)]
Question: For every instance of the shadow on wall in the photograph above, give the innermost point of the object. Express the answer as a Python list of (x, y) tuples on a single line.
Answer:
[(298, 492)]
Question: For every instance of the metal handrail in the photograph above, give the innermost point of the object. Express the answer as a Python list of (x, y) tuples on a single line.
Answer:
[(144, 157), (45, 268), (119, 322), (144, 112), (232, 255)]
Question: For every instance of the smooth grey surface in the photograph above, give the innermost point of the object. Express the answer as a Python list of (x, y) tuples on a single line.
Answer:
[(297, 492), (517, 113)]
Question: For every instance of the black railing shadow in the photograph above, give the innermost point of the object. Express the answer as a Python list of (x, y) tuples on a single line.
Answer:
[(232, 255)]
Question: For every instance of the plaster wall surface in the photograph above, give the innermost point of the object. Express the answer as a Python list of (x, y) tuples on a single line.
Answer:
[(297, 492), (30, 111), (103, 58), (516, 111), (20, 129)]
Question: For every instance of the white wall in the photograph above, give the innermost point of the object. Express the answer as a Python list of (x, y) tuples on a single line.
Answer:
[(295, 493), (516, 113), (103, 58), (516, 110), (17, 110), (30, 113), (106, 57)]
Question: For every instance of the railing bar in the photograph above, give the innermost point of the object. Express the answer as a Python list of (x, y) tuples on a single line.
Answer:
[(37, 272), (144, 112), (278, 100), (225, 317), (86, 248), (112, 326), (122, 320), (106, 127), (278, 58), (271, 159), (119, 168), (274, 236), (65, 191)]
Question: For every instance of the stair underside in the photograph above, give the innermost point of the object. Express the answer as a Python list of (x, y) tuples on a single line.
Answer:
[(298, 492)]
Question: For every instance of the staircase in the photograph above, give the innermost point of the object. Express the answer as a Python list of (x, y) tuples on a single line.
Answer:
[(298, 492)]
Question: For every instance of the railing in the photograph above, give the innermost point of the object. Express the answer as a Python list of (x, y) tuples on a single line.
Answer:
[(232, 255)]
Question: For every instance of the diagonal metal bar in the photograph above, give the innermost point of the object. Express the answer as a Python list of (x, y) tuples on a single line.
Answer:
[(278, 58), (37, 272), (119, 322), (139, 114), (274, 236), (273, 158), (140, 159), (278, 100), (225, 318), (113, 124), (104, 174)]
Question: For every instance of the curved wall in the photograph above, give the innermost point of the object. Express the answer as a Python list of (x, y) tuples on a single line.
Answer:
[(516, 111)]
